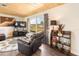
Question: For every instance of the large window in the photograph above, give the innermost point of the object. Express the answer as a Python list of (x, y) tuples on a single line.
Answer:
[(37, 24), (40, 23), (33, 24)]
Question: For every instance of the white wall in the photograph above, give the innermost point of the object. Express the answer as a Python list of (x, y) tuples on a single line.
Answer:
[(67, 14)]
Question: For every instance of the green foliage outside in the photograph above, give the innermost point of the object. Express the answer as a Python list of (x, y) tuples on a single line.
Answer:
[(39, 27)]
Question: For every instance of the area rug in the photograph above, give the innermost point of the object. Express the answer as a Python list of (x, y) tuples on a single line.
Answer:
[(8, 45)]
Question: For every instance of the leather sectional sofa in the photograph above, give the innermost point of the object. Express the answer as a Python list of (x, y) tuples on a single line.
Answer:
[(28, 47)]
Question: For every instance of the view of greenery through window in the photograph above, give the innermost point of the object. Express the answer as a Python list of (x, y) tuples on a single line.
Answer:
[(37, 24)]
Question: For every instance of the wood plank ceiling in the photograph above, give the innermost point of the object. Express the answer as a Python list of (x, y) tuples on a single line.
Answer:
[(26, 9)]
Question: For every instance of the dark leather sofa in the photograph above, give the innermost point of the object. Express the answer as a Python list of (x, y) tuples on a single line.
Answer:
[(29, 48)]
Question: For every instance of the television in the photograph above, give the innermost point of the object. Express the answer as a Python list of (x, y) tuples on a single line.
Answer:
[(20, 24)]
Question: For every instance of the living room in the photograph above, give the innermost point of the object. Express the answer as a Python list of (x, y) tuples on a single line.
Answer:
[(48, 26)]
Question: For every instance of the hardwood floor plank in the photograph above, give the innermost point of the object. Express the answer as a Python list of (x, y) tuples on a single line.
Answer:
[(44, 50)]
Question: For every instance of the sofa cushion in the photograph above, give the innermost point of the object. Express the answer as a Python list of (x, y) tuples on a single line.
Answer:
[(29, 35)]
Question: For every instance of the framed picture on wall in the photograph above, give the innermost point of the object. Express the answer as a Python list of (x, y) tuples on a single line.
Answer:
[(53, 22)]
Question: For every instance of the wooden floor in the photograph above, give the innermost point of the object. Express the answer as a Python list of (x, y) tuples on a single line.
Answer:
[(44, 50)]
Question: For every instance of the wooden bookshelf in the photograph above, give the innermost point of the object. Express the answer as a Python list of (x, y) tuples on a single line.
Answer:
[(62, 43)]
